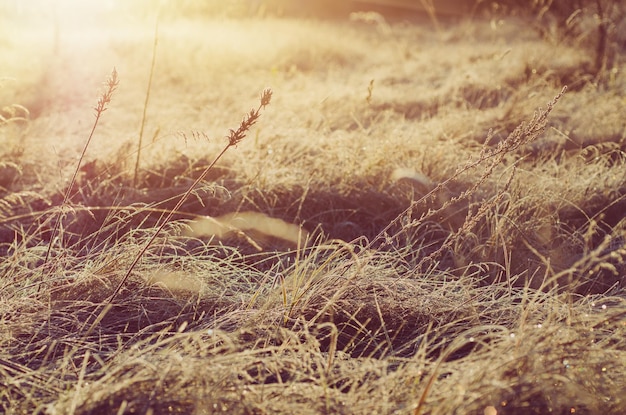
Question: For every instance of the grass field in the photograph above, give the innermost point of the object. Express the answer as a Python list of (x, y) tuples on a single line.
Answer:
[(425, 216)]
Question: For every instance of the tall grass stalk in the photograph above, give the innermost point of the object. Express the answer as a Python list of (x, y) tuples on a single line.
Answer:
[(145, 103), (105, 98), (234, 137)]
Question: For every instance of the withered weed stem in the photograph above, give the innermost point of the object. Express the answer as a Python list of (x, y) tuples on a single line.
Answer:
[(103, 101), (234, 137), (524, 134), (145, 103)]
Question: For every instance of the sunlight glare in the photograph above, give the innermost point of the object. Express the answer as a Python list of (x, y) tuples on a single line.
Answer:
[(60, 19), (70, 14)]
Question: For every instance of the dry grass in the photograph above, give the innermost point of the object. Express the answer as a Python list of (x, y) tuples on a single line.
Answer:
[(421, 222)]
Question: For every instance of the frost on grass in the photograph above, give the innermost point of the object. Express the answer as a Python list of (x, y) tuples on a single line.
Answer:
[(387, 238)]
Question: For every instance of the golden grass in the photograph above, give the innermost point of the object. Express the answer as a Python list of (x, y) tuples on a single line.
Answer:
[(447, 238)]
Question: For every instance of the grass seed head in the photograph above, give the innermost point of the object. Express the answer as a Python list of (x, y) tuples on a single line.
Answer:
[(111, 85), (235, 136), (266, 97)]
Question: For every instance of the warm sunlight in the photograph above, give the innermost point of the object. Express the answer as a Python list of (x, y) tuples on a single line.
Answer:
[(58, 21), (69, 14), (427, 218)]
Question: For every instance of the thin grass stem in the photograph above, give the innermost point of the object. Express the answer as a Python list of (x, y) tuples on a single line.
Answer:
[(105, 99), (146, 101), (234, 138)]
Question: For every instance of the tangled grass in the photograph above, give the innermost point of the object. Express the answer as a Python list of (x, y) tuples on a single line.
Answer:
[(387, 239)]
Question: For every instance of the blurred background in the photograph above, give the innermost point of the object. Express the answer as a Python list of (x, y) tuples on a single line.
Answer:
[(249, 8)]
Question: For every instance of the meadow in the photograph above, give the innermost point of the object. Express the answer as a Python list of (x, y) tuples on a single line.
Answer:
[(246, 210)]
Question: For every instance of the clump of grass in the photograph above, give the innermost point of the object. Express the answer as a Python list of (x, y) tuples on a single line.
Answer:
[(491, 159)]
